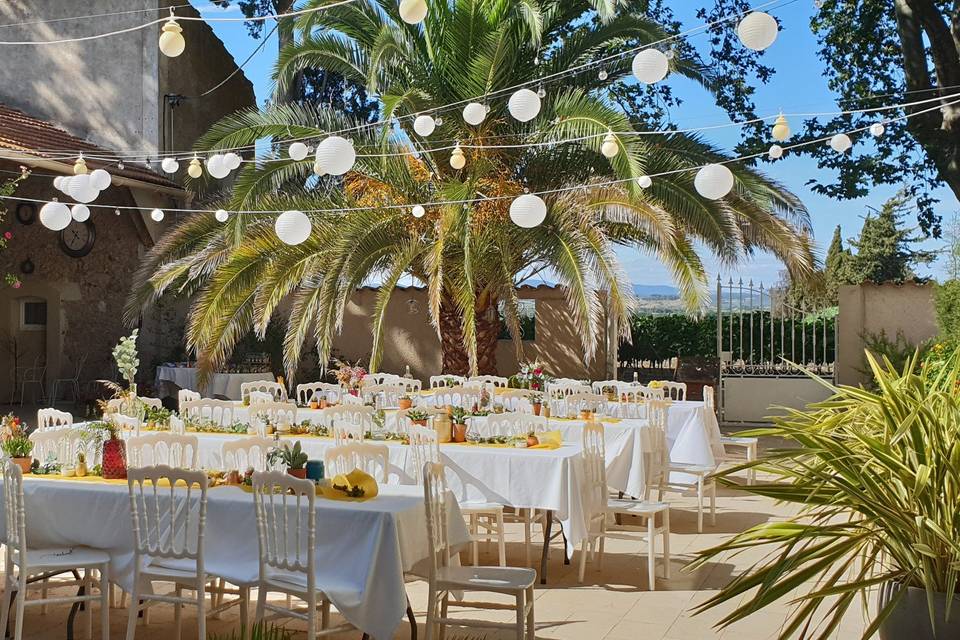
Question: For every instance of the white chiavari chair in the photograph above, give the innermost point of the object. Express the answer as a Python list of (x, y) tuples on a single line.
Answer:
[(605, 387), (246, 453), (126, 424), (572, 404), (517, 400), (310, 390), (56, 445), (186, 395), (259, 397), (154, 403), (275, 389), (425, 445), (748, 446), (514, 424), (220, 412), (600, 507), (560, 390), (674, 390), (286, 530), (412, 385), (383, 396), (495, 381), (21, 562), (445, 579), (437, 382), (463, 397), (168, 449), (381, 378), (177, 425), (371, 458), (53, 419), (349, 399)]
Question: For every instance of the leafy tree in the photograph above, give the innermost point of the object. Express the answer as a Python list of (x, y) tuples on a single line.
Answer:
[(471, 256), (884, 248)]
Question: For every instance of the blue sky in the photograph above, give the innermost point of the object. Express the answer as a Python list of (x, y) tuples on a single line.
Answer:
[(798, 86)]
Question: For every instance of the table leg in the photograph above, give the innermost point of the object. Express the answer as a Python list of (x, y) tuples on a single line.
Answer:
[(73, 609), (413, 621), (563, 534), (547, 526)]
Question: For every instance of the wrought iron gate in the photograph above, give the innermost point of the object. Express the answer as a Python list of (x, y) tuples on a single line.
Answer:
[(763, 342)]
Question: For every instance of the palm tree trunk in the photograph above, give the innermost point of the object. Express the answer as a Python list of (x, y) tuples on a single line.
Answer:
[(488, 333), (455, 358)]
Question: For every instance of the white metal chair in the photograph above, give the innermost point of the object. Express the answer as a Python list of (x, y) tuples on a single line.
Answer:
[(53, 419), (220, 412), (463, 397), (600, 507), (186, 395), (275, 389), (70, 383), (674, 390), (445, 579), (496, 381), (371, 458), (437, 382), (307, 391), (170, 449), (32, 375), (749, 446), (22, 562), (246, 453), (168, 508), (286, 530)]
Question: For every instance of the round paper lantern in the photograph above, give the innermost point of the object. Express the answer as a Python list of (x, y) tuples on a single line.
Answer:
[(524, 105), (841, 143), (424, 125), (55, 216), (80, 212), (157, 215), (217, 167), (757, 30), (58, 183), (650, 66), (714, 181), (195, 170), (170, 165), (172, 43), (232, 160), (100, 179), (528, 211), (610, 147), (221, 215), (776, 152), (318, 169), (877, 129), (79, 167), (82, 189), (457, 159), (293, 227), (336, 155), (413, 11), (474, 113), (419, 211), (644, 182), (65, 184), (781, 129), (298, 151)]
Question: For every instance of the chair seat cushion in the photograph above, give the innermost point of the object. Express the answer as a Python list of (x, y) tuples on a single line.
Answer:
[(49, 559), (636, 507), (487, 578)]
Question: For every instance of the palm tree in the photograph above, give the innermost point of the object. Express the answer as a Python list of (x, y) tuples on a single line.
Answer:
[(469, 255)]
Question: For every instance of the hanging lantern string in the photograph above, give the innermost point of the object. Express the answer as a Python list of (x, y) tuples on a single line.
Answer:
[(592, 136), (94, 15), (555, 191)]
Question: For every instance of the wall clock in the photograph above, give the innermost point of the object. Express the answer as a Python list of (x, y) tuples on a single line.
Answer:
[(78, 238), (26, 212)]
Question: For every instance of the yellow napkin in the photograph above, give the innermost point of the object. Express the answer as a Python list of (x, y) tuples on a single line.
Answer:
[(548, 437), (356, 478), (89, 478)]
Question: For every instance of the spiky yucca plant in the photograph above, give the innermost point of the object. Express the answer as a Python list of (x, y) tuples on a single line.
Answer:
[(469, 255)]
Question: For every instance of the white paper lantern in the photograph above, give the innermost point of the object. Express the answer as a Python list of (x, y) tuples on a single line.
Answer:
[(157, 215), (424, 125), (781, 129), (65, 184), (221, 215), (195, 170), (170, 165), (644, 182), (610, 147), (474, 113), (336, 155), (293, 227), (877, 129), (524, 105), (419, 211), (650, 66), (82, 189), (80, 212), (776, 152), (714, 181), (757, 30), (841, 143), (172, 43), (413, 11), (457, 159), (217, 167), (528, 211), (55, 216), (232, 160), (58, 183), (100, 179), (298, 151)]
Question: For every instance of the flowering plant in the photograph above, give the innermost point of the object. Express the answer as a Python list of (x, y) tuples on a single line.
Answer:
[(532, 376), (125, 353), (350, 376), (10, 427), (7, 189)]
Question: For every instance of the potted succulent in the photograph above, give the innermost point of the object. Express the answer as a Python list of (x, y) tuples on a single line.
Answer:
[(294, 458), (418, 416), (405, 401), (314, 402), (19, 447), (536, 399), (459, 417), (874, 474)]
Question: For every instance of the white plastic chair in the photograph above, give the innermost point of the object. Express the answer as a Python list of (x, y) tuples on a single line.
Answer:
[(170, 449), (186, 395), (462, 397), (220, 412), (359, 415), (177, 425), (384, 396), (286, 530), (21, 562), (348, 399), (276, 413), (126, 424), (381, 378), (371, 458), (275, 389), (437, 382), (517, 400), (412, 385), (445, 579), (514, 424), (560, 390), (155, 403), (53, 419), (495, 381), (748, 446), (246, 453), (603, 387), (57, 445), (307, 391), (425, 444), (572, 404), (675, 390)]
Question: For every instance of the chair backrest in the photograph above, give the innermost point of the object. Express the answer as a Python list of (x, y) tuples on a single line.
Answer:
[(57, 445), (114, 405), (381, 378), (384, 396), (125, 423), (351, 400), (632, 406), (675, 390), (186, 395), (574, 403), (496, 381), (275, 389), (437, 382), (259, 397), (435, 502), (273, 412), (14, 508), (168, 449), (594, 468), (53, 419), (177, 425), (245, 453), (606, 386), (372, 458), (412, 385), (514, 424), (156, 403), (344, 432), (355, 414), (308, 390), (649, 393), (285, 508), (169, 511), (221, 412), (426, 448), (560, 390), (660, 454), (517, 400), (462, 397), (709, 399)]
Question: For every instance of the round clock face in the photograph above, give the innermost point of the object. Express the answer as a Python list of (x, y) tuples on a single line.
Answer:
[(77, 239)]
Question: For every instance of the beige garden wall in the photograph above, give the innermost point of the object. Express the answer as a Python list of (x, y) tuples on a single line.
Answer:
[(869, 309)]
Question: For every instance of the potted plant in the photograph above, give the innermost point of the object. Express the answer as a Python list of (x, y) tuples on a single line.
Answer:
[(532, 439), (125, 355), (418, 416), (294, 458), (459, 417), (114, 459), (536, 399), (405, 401), (19, 447), (875, 475)]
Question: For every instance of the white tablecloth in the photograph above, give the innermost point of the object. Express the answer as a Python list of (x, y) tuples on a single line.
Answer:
[(220, 385), (363, 548)]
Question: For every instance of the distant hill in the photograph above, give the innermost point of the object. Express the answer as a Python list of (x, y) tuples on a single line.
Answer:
[(656, 291)]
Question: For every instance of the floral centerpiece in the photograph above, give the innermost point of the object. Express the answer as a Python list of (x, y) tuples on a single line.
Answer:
[(15, 443), (125, 354), (350, 376), (531, 376)]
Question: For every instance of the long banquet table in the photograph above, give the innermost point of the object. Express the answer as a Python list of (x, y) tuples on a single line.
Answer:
[(363, 548)]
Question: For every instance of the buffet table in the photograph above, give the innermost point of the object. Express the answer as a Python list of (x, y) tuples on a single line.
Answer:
[(220, 385)]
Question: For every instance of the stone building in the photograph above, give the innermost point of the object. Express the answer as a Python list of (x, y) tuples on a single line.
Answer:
[(97, 97)]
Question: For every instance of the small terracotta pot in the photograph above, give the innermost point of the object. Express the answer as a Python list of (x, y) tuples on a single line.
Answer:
[(24, 464), (298, 473), (459, 433), (234, 477), (532, 441), (536, 408), (586, 414), (422, 423), (314, 404), (323, 403), (405, 403)]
